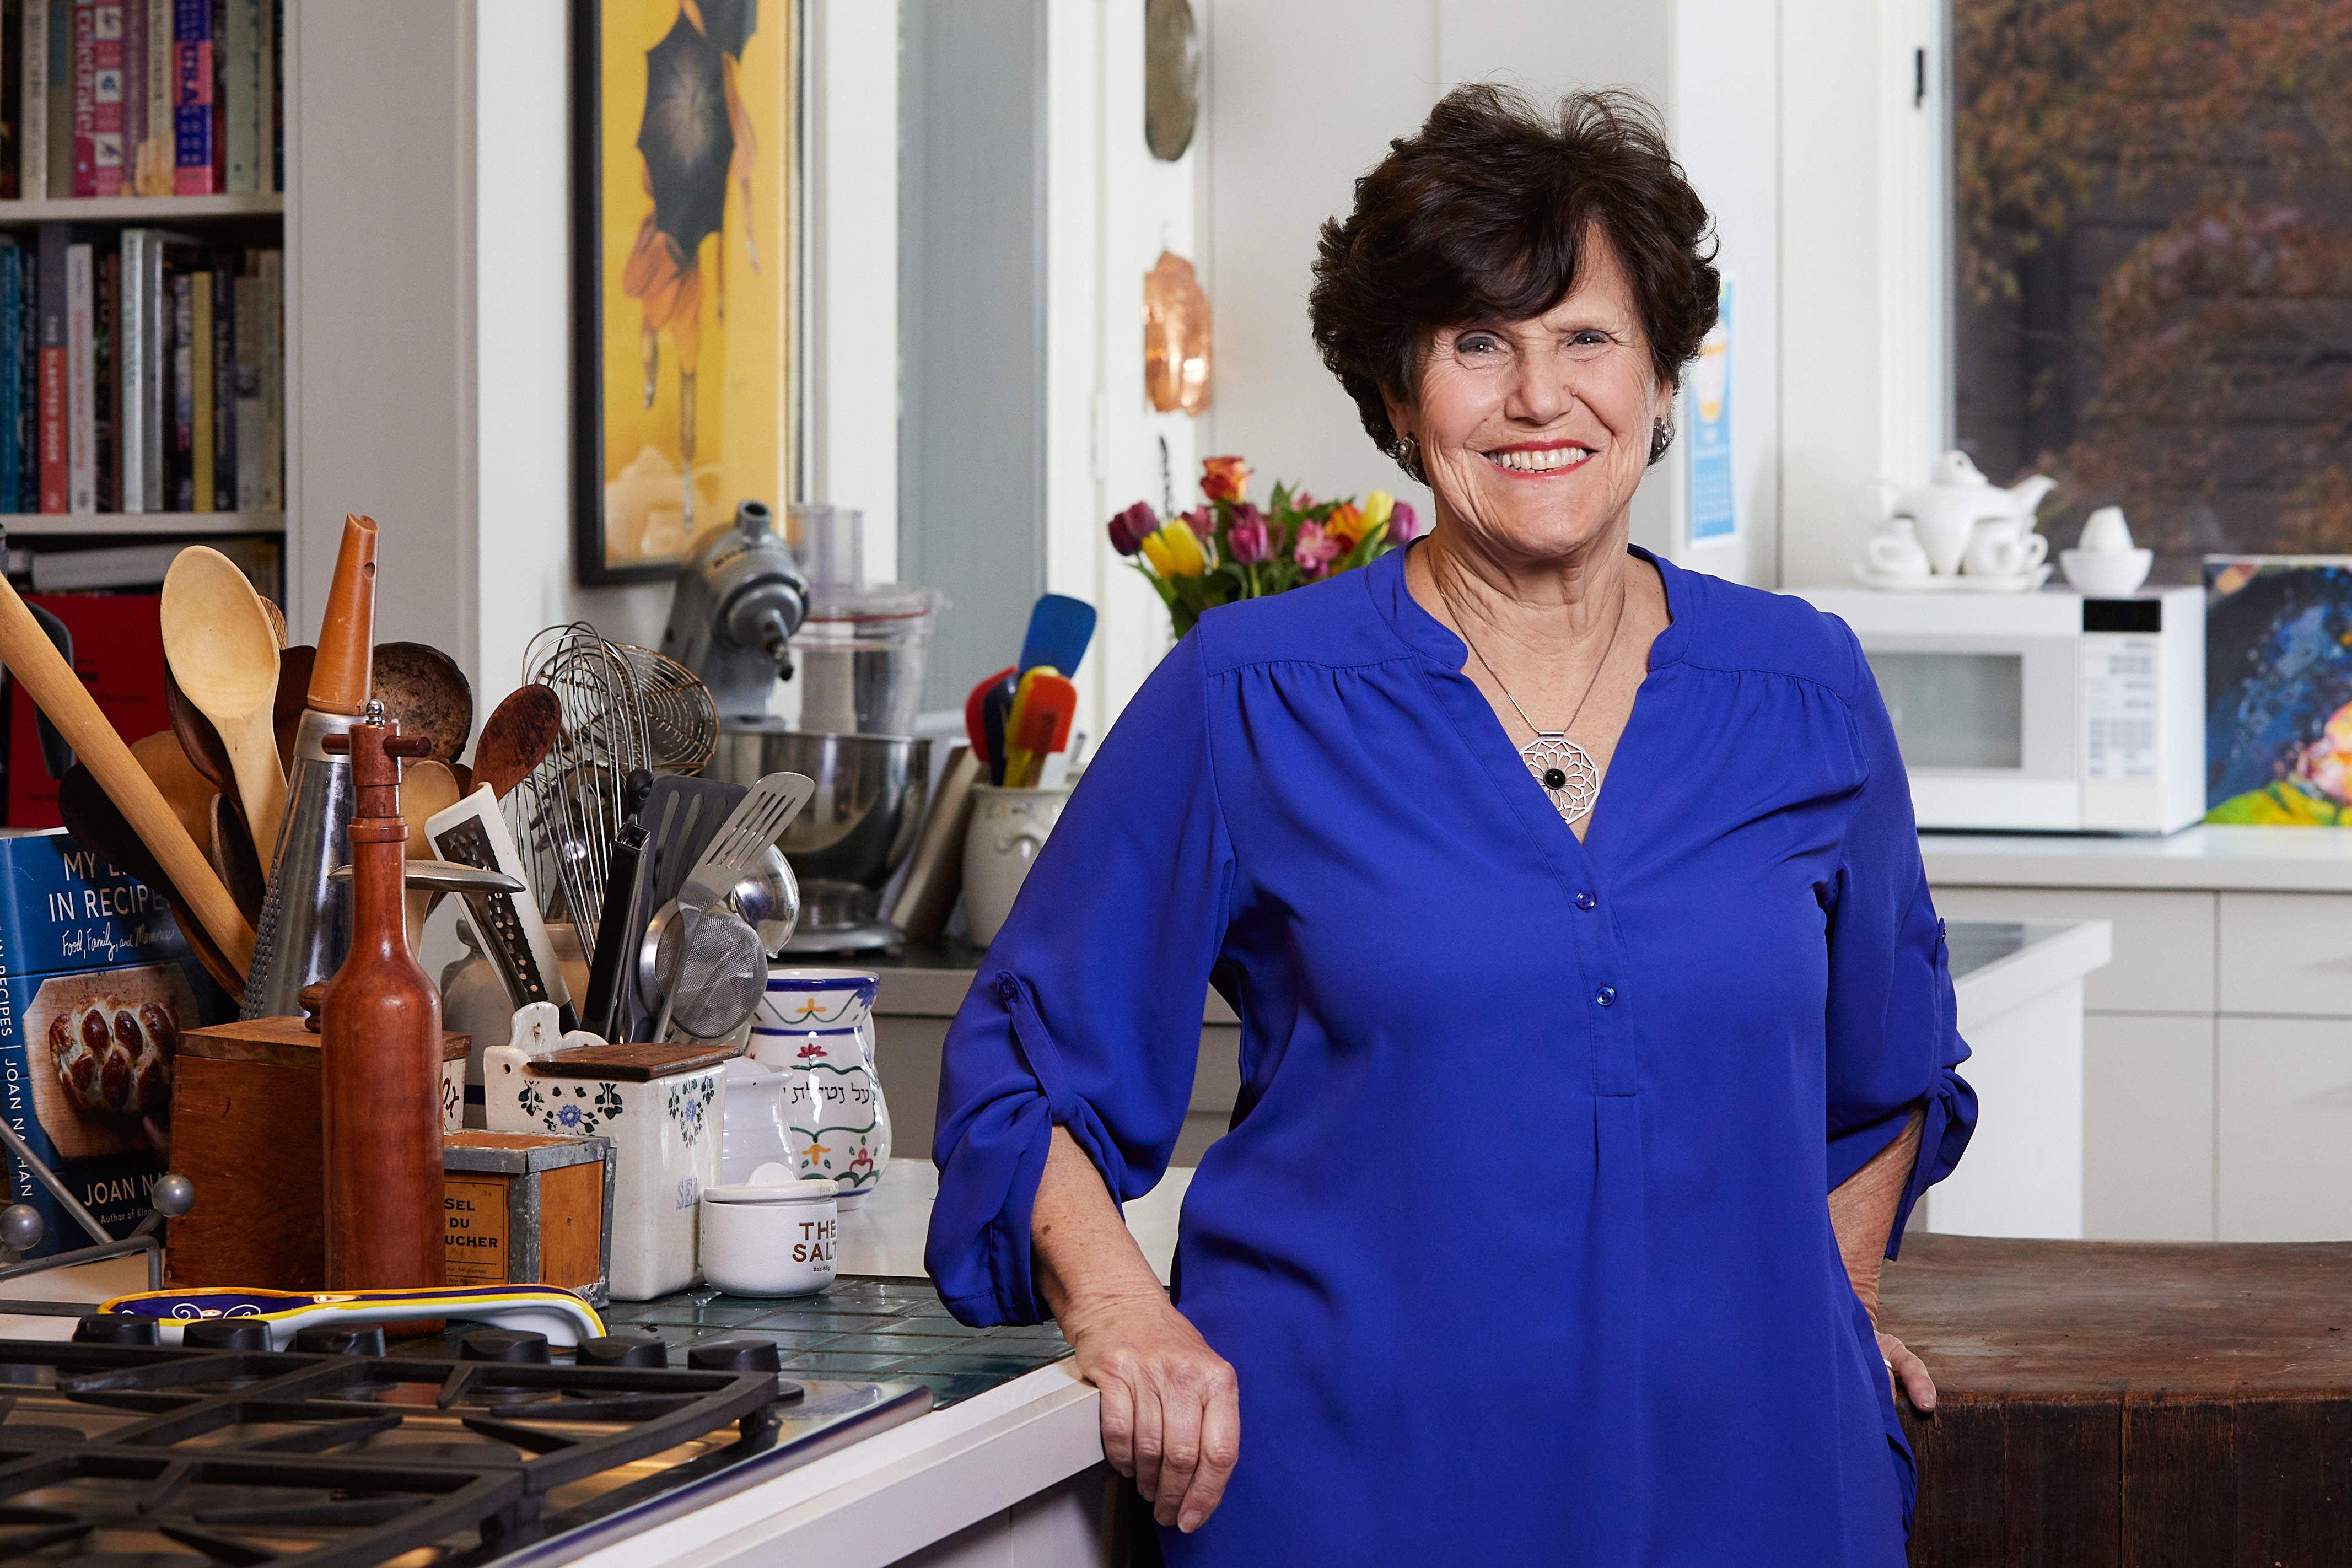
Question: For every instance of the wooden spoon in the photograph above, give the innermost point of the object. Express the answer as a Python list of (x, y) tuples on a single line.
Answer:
[(424, 691), (520, 732), (276, 619), (100, 827), (199, 741), (293, 699), (222, 650), (190, 794), (427, 788)]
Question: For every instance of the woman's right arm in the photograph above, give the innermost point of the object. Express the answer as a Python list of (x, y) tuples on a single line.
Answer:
[(1171, 1409)]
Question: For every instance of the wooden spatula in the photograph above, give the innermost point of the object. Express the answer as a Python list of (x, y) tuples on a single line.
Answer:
[(223, 653)]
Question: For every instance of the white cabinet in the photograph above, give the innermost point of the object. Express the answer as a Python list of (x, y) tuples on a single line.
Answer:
[(2147, 1125), (2163, 959), (2284, 1103), (2286, 953)]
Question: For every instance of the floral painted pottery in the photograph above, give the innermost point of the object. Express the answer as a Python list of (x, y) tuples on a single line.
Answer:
[(662, 1106), (816, 1024), (1008, 828), (770, 1241)]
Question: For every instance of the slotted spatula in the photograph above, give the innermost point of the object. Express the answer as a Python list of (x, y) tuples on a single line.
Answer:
[(741, 846)]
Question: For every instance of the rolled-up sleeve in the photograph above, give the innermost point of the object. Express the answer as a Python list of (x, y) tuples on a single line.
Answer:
[(1086, 1012), (1894, 1044)]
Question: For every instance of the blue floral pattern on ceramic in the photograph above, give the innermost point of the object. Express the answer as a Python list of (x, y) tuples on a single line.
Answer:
[(568, 1109), (690, 1106)]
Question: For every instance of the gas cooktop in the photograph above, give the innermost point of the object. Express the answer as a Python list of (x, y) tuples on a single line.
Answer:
[(335, 1454)]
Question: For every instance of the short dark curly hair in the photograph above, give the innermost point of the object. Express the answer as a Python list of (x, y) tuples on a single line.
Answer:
[(1479, 218)]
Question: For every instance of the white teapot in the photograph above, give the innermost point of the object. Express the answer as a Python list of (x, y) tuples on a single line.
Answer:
[(1945, 511)]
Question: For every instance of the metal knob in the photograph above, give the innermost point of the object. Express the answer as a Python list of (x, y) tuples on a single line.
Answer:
[(21, 1227), (173, 1195)]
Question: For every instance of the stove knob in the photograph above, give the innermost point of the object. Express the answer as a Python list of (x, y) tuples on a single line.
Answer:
[(226, 1334), (503, 1344), (735, 1355), (334, 1339), (622, 1350), (115, 1328)]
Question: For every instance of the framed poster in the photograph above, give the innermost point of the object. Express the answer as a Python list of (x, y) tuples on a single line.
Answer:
[(684, 167)]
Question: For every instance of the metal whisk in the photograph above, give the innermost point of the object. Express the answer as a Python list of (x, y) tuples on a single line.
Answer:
[(567, 811)]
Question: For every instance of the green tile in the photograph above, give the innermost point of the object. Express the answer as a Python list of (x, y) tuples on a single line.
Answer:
[(948, 1390), (794, 1339), (825, 1363), (703, 1315), (1002, 1368), (895, 1345)]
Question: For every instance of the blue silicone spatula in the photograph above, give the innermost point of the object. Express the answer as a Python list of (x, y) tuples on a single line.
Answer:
[(1060, 628)]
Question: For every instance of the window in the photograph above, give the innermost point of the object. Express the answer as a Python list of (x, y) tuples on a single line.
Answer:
[(2153, 238)]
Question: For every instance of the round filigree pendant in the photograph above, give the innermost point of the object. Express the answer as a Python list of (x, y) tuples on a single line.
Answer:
[(1565, 770)]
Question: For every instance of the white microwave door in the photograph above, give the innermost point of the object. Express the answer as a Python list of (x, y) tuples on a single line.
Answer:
[(1987, 727)]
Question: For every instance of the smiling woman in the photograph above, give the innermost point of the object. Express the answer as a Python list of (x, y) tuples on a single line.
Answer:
[(1672, 964)]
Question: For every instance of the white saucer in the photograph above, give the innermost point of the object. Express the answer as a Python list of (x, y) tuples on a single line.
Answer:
[(1896, 582)]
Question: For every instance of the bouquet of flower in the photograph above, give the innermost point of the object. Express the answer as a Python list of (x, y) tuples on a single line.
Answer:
[(1229, 548)]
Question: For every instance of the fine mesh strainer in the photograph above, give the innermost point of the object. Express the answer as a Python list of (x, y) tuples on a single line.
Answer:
[(711, 971)]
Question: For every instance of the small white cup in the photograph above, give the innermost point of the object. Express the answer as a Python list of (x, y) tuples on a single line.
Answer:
[(2104, 532), (770, 1241), (1008, 828), (2004, 546), (1898, 552)]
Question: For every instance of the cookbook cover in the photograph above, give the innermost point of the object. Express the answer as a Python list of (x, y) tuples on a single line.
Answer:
[(2278, 690), (96, 983)]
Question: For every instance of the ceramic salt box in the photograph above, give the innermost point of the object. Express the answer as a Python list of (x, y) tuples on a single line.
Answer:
[(662, 1106), (818, 1024)]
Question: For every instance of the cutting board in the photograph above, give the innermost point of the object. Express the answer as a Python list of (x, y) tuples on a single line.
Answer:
[(77, 1134), (2103, 1403)]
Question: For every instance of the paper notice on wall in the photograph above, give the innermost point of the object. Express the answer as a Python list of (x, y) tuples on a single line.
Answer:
[(1706, 418)]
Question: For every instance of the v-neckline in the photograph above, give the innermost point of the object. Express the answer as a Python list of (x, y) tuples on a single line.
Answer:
[(1444, 647)]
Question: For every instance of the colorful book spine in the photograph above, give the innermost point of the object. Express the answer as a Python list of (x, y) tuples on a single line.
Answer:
[(184, 393), (131, 352), (61, 144), (134, 91), (32, 93), (158, 147), (272, 329), (12, 390), (152, 302), (85, 97), (106, 346), (106, 98), (224, 299), (246, 289), (81, 385), (12, 94), (28, 388), (200, 380), (241, 93), (191, 97), (54, 459)]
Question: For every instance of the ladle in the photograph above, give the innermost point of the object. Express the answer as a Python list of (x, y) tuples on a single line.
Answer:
[(223, 653)]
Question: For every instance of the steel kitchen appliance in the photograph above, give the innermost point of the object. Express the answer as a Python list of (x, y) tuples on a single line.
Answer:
[(2045, 711)]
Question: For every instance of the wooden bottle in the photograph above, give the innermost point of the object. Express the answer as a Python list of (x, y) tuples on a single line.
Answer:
[(380, 1051)]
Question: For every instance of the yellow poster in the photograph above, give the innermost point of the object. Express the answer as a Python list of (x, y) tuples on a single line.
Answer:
[(692, 185)]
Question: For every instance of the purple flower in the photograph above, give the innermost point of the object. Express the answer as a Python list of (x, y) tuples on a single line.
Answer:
[(1315, 550), (1127, 529), (1403, 526), (1248, 539)]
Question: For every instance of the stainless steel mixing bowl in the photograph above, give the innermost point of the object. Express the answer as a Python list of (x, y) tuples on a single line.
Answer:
[(854, 834)]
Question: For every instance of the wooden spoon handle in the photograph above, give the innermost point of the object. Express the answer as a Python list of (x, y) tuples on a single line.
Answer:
[(50, 682), (339, 679), (260, 783)]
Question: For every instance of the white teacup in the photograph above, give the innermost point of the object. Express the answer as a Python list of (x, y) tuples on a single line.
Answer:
[(1897, 551), (2104, 532), (2004, 546)]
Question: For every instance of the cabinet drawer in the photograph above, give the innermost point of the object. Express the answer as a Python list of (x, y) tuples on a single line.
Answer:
[(2163, 944), (2287, 953), (2284, 1153), (2148, 1128)]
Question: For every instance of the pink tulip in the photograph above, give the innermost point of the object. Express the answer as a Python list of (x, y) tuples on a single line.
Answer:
[(1248, 539), (1316, 550), (1403, 526)]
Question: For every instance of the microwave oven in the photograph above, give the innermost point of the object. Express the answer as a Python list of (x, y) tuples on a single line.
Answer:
[(2041, 712)]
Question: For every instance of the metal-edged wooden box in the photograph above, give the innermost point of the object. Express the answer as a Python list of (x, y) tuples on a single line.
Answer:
[(528, 1209)]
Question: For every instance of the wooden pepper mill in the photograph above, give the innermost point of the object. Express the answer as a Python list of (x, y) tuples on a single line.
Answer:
[(380, 1054)]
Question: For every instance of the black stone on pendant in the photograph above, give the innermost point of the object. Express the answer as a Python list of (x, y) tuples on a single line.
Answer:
[(1554, 779)]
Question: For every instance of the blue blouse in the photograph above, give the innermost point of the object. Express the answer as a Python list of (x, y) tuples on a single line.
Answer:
[(1519, 1242)]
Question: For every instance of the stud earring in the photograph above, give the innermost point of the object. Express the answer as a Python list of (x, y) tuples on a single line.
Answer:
[(1406, 451)]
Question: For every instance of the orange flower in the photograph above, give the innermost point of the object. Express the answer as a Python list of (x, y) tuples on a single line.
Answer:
[(1224, 479), (1345, 524)]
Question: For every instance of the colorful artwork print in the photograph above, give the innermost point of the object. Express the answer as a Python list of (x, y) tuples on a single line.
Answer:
[(2278, 690), (683, 162)]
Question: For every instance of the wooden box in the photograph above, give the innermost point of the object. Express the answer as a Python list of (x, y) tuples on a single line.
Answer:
[(526, 1208), (245, 1129)]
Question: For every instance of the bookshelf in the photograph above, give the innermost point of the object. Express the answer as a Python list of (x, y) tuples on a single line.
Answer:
[(91, 525), (142, 209)]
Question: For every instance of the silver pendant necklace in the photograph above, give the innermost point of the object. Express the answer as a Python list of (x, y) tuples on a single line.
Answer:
[(1565, 769)]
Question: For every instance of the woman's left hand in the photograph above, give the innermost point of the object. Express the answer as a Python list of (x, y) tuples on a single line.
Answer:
[(1908, 1372)]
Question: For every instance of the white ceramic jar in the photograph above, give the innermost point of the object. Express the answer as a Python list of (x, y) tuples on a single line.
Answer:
[(817, 1024), (758, 1131), (1008, 828), (770, 1241)]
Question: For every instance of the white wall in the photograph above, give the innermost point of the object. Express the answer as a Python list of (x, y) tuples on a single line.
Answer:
[(1286, 148)]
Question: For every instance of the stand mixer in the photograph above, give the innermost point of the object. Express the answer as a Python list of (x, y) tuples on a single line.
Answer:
[(742, 598)]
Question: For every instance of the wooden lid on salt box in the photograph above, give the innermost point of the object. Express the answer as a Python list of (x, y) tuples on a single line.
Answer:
[(281, 1042), (633, 1061)]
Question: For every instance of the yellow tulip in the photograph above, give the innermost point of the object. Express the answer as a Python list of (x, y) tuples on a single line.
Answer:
[(1377, 507), (1175, 550)]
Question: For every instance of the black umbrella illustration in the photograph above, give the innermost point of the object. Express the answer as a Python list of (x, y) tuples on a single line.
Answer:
[(685, 137)]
